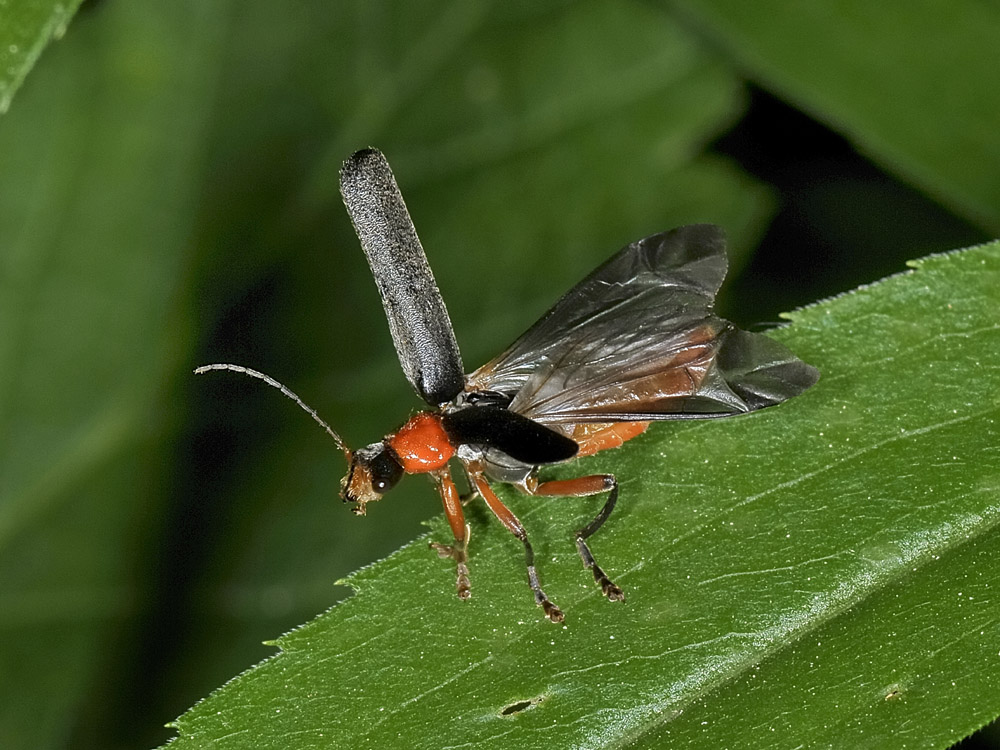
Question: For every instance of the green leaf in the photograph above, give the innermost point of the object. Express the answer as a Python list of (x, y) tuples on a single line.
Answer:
[(26, 26), (916, 86), (822, 570)]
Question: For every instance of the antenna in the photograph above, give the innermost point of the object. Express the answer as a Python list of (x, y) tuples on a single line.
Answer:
[(272, 382)]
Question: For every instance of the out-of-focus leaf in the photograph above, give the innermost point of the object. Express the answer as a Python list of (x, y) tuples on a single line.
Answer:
[(95, 214), (818, 574), (26, 26), (917, 86)]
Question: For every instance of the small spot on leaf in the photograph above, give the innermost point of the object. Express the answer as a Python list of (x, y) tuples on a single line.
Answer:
[(519, 706), (894, 692)]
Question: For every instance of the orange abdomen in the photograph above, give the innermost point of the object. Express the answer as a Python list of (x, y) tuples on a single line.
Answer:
[(600, 436)]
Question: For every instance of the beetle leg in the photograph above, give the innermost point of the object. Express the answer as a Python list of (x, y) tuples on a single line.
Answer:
[(580, 487), (514, 526), (456, 519), (473, 492)]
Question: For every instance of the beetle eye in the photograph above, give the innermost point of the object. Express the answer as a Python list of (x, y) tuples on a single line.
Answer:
[(385, 471)]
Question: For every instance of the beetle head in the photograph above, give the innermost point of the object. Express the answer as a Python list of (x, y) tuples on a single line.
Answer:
[(372, 471)]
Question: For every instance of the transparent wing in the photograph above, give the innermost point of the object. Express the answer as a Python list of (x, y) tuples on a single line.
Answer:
[(637, 340)]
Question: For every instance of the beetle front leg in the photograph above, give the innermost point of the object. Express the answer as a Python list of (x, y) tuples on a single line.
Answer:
[(581, 487), (456, 519)]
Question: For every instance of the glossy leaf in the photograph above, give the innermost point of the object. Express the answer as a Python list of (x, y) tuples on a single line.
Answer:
[(822, 569)]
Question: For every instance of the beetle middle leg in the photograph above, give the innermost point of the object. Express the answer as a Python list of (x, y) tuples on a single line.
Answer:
[(473, 492), (581, 487), (508, 519)]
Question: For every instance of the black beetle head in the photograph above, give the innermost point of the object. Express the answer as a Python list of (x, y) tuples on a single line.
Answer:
[(373, 471)]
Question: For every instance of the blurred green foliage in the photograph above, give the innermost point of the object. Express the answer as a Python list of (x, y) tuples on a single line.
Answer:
[(169, 198)]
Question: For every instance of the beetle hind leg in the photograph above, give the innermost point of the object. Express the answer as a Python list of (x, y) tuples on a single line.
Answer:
[(551, 610), (610, 589), (581, 487)]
